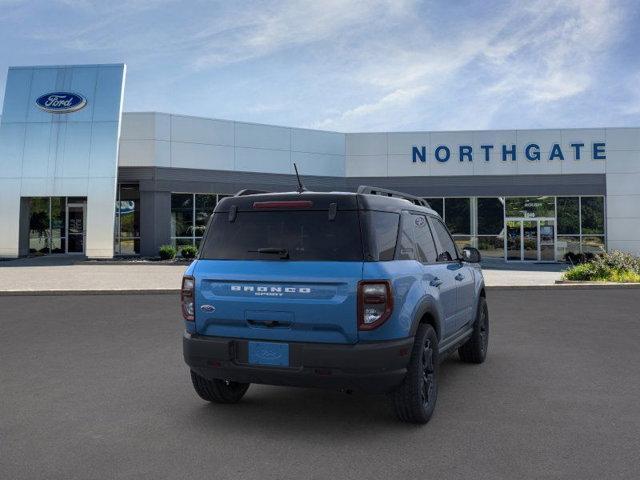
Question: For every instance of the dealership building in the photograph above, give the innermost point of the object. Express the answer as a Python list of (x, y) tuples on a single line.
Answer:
[(79, 176)]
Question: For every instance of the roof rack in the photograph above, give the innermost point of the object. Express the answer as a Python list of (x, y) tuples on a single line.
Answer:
[(384, 192), (249, 191)]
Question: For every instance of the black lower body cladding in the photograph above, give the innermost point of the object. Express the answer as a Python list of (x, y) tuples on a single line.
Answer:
[(374, 367)]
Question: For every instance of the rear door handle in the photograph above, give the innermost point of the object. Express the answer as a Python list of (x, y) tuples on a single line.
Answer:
[(459, 277), (436, 282)]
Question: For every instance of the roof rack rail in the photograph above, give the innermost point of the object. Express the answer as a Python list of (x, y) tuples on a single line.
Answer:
[(384, 192), (249, 191)]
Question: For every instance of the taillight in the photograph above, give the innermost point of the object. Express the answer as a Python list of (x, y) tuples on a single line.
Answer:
[(187, 298), (375, 303)]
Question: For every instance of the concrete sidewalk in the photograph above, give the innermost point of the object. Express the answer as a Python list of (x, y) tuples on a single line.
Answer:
[(64, 274), (498, 273), (68, 275)]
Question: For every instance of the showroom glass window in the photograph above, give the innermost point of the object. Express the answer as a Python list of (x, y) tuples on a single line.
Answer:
[(127, 227), (581, 225), (479, 221), (189, 215), (490, 226), (530, 207), (568, 226), (592, 220), (40, 225), (47, 224), (436, 204), (457, 217)]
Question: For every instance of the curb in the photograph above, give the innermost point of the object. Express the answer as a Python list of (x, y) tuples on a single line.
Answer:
[(110, 262), (566, 286), (23, 293)]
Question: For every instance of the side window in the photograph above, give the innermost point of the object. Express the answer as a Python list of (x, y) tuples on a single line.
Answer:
[(426, 248), (405, 249), (447, 250)]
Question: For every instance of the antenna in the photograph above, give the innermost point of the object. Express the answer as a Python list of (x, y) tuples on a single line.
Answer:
[(300, 185)]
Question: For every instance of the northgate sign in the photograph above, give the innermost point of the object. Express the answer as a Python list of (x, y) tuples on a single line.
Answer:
[(531, 152)]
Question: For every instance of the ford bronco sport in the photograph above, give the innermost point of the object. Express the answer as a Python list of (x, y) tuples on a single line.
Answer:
[(354, 291)]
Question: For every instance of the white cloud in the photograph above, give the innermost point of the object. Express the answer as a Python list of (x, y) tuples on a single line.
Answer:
[(398, 98), (286, 24), (551, 56), (534, 55)]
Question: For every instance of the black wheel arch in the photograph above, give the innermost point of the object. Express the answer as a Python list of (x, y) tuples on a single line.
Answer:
[(427, 313)]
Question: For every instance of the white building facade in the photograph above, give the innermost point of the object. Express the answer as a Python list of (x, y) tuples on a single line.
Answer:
[(521, 195)]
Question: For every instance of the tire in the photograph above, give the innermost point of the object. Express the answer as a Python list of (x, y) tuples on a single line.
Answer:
[(475, 349), (415, 399), (218, 391)]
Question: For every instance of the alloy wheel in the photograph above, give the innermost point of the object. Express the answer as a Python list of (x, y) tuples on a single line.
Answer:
[(428, 373)]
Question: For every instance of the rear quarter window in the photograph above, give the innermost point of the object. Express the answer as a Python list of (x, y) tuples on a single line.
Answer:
[(381, 233)]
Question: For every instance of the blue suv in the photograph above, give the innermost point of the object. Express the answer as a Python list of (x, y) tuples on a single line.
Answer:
[(353, 291)]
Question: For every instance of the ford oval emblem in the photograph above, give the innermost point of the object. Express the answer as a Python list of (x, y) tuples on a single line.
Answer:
[(61, 102)]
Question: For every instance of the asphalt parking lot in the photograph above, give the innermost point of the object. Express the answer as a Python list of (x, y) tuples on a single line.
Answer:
[(94, 387)]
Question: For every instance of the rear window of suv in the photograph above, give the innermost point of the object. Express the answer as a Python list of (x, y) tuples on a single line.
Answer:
[(267, 235)]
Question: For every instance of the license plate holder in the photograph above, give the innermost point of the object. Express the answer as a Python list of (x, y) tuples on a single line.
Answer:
[(269, 353)]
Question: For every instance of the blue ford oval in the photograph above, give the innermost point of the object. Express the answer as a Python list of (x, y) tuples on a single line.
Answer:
[(61, 102)]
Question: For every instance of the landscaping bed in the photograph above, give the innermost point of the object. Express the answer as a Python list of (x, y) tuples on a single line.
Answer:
[(138, 260), (167, 255), (613, 267)]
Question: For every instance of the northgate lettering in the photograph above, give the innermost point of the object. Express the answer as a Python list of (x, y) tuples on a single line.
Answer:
[(531, 152)]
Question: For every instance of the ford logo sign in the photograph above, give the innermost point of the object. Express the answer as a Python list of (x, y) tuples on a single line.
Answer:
[(61, 102)]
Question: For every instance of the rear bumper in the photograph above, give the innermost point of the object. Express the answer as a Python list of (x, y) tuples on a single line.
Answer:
[(374, 367)]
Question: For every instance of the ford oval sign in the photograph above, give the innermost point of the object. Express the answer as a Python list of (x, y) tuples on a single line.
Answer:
[(61, 102)]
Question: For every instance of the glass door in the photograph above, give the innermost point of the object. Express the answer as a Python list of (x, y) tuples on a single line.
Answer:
[(547, 240), (75, 227), (513, 240), (530, 240)]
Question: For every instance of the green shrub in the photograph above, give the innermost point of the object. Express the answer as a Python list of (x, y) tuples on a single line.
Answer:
[(167, 252), (188, 251), (582, 271), (617, 260), (607, 267), (624, 276)]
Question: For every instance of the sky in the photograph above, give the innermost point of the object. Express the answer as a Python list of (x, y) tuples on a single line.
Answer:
[(350, 65)]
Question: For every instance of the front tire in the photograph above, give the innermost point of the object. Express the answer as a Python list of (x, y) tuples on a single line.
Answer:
[(218, 391), (475, 349), (415, 399)]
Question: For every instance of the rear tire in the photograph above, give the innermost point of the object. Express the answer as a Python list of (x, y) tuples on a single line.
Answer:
[(415, 399), (475, 349), (218, 391)]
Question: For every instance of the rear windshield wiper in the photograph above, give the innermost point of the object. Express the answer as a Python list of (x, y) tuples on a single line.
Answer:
[(283, 252)]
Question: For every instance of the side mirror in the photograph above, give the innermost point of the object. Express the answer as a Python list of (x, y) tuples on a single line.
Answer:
[(471, 255)]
